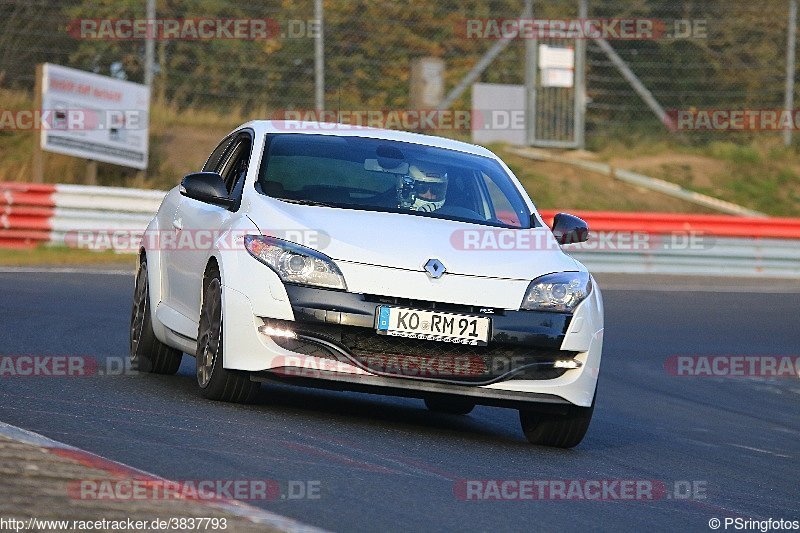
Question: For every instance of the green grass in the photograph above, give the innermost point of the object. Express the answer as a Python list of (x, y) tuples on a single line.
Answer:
[(759, 173), (63, 256)]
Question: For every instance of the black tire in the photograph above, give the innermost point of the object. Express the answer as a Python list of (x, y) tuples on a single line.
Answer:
[(147, 353), (451, 406), (216, 382), (564, 430)]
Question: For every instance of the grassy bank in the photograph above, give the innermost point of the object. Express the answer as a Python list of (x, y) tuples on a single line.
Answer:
[(63, 256)]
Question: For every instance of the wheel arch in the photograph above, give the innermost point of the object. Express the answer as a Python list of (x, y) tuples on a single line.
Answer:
[(212, 266), (152, 255)]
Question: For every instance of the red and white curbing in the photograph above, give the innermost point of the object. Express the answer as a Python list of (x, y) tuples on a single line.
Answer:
[(31, 214), (115, 469)]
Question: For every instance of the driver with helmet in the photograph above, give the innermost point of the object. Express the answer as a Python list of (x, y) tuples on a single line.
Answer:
[(430, 189)]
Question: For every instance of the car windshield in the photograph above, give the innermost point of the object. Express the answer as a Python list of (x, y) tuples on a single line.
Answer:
[(392, 176)]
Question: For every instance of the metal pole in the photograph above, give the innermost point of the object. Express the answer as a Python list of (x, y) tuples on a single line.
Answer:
[(637, 85), (482, 65), (531, 59), (150, 44), (788, 102), (580, 81), (319, 58), (38, 153)]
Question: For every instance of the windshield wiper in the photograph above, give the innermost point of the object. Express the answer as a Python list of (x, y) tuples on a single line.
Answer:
[(305, 202)]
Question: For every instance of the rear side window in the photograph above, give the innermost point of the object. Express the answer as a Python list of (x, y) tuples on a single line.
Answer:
[(214, 160), (235, 166), (503, 209)]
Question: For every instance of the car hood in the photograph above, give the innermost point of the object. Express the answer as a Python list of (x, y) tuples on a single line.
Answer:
[(404, 241)]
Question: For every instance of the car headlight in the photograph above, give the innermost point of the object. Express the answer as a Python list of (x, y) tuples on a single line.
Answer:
[(560, 292), (295, 263)]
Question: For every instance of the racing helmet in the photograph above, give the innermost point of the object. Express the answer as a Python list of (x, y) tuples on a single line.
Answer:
[(430, 189)]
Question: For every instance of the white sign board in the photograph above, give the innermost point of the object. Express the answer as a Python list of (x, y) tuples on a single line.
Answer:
[(557, 77), (556, 57), (498, 113), (95, 117)]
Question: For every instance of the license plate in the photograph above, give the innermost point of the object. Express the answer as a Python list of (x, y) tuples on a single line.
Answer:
[(433, 325)]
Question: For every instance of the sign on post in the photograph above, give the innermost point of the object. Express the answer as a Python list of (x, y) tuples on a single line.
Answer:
[(557, 65), (554, 111), (94, 117)]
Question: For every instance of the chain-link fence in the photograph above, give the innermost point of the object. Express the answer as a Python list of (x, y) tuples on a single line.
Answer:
[(736, 60)]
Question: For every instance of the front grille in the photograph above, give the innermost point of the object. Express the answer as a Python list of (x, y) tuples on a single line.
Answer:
[(422, 359)]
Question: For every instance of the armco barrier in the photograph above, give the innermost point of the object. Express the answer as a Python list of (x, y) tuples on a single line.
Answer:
[(733, 246), (727, 245), (719, 225), (31, 214)]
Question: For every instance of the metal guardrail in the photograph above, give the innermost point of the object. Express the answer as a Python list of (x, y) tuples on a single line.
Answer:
[(664, 243), (718, 256)]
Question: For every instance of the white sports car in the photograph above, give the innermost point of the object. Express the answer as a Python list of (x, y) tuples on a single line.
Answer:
[(370, 260)]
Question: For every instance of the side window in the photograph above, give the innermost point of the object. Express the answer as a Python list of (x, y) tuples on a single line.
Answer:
[(212, 165), (501, 206), (234, 168)]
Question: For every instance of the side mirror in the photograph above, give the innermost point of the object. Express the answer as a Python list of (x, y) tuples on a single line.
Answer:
[(569, 229), (206, 187)]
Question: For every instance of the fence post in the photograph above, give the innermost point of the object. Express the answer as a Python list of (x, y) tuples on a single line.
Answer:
[(37, 164), (791, 37), (150, 45), (580, 81), (531, 58), (482, 64), (319, 58)]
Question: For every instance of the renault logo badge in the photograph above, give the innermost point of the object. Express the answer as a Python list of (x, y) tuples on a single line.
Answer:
[(435, 268)]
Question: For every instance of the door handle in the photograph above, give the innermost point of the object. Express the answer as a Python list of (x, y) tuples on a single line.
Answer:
[(177, 223)]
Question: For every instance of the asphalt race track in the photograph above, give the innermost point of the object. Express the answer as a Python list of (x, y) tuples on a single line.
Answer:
[(388, 464)]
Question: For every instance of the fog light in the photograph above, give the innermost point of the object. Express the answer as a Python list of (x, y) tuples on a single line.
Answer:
[(566, 363), (272, 331)]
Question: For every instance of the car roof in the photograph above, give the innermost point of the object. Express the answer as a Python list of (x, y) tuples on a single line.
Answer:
[(347, 130)]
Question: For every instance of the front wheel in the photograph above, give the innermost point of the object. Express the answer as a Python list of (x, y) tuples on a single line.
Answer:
[(562, 430), (215, 381)]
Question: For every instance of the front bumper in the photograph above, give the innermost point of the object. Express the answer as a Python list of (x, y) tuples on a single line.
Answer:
[(517, 366), (340, 326)]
